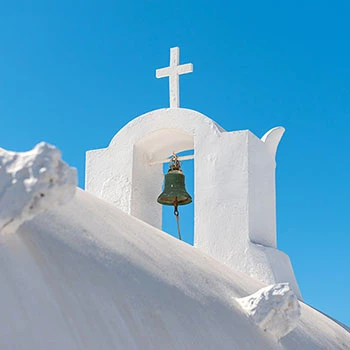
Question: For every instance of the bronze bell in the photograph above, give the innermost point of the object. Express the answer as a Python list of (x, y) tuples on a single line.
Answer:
[(174, 192)]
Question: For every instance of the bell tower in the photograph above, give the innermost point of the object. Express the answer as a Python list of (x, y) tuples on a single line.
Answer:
[(234, 181)]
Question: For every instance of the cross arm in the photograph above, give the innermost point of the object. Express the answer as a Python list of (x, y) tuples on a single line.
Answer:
[(163, 72), (185, 68)]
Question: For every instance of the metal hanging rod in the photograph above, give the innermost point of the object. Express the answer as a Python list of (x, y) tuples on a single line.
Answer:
[(168, 160)]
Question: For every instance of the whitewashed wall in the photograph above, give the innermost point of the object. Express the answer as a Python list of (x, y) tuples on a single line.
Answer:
[(234, 199)]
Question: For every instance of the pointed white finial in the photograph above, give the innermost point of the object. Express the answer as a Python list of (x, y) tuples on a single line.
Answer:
[(173, 72), (272, 138)]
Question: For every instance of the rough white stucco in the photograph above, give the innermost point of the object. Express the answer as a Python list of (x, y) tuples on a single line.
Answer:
[(234, 199), (31, 183), (275, 309)]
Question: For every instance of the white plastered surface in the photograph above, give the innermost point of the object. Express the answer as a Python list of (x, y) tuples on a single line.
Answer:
[(234, 199)]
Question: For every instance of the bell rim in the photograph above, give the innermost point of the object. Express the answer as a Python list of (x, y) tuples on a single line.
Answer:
[(184, 202)]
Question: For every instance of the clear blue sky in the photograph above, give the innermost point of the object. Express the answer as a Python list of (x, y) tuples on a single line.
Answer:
[(74, 72)]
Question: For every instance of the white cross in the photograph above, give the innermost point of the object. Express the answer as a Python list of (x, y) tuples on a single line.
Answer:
[(173, 72)]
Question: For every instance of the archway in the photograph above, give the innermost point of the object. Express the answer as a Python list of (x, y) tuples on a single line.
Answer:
[(149, 166), (186, 212)]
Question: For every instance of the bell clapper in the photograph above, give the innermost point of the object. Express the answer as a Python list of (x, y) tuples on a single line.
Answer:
[(176, 213)]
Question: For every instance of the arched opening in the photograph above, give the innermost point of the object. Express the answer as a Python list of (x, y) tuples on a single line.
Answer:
[(186, 211), (149, 166)]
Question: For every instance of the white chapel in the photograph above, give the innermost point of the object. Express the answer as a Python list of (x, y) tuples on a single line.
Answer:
[(92, 269)]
